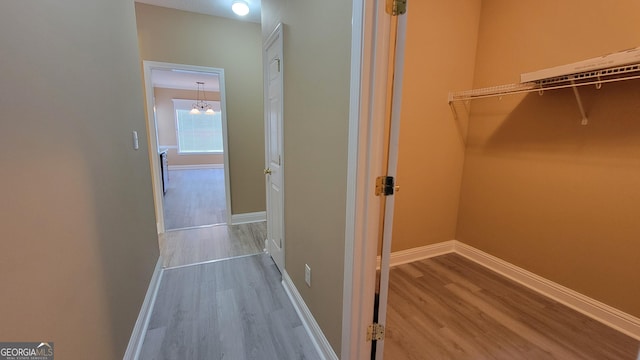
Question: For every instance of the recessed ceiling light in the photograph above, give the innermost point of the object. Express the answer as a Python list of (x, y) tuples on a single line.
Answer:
[(240, 8)]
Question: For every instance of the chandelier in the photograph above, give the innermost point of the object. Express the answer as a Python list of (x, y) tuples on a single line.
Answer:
[(201, 103)]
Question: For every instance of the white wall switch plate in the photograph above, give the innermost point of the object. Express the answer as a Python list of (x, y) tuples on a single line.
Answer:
[(136, 144), (307, 274)]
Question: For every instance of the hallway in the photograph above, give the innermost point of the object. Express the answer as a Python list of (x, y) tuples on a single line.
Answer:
[(229, 309), (201, 244)]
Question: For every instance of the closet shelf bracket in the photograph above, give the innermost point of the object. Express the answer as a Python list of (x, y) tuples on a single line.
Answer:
[(585, 120), (594, 77)]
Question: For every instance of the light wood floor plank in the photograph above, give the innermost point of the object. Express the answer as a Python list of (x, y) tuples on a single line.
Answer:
[(231, 309), (195, 198), (449, 307), (190, 246)]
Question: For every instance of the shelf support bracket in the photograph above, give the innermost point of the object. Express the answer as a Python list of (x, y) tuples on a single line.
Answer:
[(453, 108), (585, 120)]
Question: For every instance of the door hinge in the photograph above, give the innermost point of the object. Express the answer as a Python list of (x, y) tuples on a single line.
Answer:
[(396, 7), (384, 185), (375, 332)]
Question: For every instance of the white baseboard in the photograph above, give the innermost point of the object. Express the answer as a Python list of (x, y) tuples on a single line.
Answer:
[(320, 342), (140, 328), (419, 253), (595, 309), (612, 317), (196, 167), (248, 217)]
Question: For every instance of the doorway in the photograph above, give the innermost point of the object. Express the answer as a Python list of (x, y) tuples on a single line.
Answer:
[(190, 170), (189, 148)]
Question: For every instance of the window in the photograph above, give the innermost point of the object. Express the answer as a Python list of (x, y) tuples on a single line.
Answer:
[(198, 133)]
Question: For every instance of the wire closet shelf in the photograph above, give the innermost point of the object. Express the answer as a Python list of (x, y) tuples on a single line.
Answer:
[(595, 77)]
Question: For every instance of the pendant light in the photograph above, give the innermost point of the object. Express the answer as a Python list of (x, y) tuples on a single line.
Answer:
[(201, 104)]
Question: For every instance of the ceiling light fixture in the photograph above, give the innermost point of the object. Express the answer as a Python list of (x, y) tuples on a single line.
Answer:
[(240, 7), (201, 104)]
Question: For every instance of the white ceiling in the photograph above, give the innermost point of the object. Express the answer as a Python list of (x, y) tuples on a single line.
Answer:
[(185, 80), (210, 7)]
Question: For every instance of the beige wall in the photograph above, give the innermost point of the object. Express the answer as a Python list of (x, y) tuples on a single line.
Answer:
[(181, 37), (78, 243), (439, 57), (317, 37), (166, 122), (540, 190)]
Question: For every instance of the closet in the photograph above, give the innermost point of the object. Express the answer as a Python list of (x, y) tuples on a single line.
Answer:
[(545, 184)]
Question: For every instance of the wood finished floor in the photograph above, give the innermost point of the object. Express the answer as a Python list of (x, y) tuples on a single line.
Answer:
[(448, 307), (231, 309), (195, 198), (190, 246)]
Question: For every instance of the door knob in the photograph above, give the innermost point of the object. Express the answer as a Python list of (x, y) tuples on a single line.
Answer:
[(267, 171)]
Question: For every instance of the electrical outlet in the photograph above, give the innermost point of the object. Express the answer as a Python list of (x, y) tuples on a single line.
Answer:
[(307, 274)]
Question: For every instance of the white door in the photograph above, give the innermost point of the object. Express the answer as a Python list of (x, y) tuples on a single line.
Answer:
[(398, 34), (273, 146)]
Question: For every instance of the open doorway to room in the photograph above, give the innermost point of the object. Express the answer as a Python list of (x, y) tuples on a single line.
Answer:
[(190, 124), (190, 165)]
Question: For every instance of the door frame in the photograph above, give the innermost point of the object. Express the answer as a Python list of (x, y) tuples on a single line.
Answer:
[(152, 133), (392, 170), (274, 39), (370, 66)]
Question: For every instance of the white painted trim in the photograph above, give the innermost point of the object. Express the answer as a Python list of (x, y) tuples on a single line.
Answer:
[(595, 309), (196, 167), (396, 36), (423, 252), (612, 317), (142, 323), (278, 253), (247, 218), (320, 342), (154, 159), (192, 153), (225, 141), (420, 253), (369, 59)]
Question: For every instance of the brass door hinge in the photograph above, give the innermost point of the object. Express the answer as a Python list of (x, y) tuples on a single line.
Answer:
[(396, 7), (384, 185), (375, 332)]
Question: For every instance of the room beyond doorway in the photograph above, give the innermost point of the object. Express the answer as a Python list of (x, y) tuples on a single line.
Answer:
[(194, 197), (190, 172)]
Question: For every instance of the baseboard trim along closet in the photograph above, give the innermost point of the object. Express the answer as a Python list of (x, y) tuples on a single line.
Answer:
[(320, 342), (419, 253), (595, 309), (247, 218), (612, 317), (196, 167), (142, 323)]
